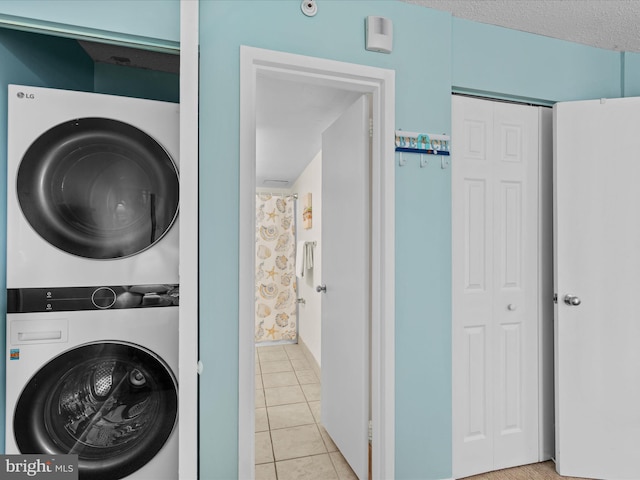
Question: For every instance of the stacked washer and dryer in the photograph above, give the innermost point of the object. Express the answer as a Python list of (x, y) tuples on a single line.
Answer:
[(92, 281)]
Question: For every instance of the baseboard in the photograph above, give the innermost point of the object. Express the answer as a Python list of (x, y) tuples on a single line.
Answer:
[(309, 356)]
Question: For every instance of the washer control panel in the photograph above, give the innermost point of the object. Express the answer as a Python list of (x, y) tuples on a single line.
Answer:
[(67, 299)]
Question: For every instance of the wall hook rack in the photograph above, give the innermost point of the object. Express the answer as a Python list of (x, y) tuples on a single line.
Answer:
[(423, 144)]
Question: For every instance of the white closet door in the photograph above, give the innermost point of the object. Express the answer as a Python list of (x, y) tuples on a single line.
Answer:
[(597, 238), (495, 285)]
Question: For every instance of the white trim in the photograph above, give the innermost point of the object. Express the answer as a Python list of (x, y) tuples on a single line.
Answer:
[(188, 333), (309, 356), (77, 32), (381, 84)]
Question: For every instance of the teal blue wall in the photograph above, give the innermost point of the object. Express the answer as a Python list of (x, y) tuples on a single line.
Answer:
[(42, 61), (136, 82), (513, 64), (631, 74)]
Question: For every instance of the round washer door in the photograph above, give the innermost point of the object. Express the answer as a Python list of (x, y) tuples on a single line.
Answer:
[(98, 188), (113, 404)]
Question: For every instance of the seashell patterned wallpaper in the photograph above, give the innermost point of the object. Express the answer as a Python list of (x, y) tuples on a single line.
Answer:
[(276, 317)]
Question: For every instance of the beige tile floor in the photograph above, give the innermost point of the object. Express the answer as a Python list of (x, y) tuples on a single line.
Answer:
[(291, 444)]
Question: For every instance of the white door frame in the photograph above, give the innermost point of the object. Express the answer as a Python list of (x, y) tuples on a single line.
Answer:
[(188, 310), (380, 83)]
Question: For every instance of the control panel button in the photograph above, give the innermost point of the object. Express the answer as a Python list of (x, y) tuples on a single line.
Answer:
[(103, 297)]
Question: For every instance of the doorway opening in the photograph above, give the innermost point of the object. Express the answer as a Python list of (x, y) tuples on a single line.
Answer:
[(358, 80)]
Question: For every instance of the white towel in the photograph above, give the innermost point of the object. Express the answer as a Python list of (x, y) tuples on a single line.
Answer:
[(300, 249), (304, 257), (308, 255)]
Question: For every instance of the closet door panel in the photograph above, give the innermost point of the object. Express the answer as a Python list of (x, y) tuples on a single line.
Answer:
[(515, 174), (494, 201), (473, 272)]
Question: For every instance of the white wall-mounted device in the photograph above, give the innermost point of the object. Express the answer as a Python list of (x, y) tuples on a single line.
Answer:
[(379, 34)]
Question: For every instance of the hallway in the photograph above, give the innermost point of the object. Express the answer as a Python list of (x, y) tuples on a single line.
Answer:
[(291, 444)]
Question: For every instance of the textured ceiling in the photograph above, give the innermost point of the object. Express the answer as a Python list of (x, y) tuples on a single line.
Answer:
[(608, 24)]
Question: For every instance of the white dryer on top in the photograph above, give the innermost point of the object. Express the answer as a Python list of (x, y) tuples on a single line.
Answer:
[(93, 188)]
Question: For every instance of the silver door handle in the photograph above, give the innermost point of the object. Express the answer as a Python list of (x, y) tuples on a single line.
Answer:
[(321, 288), (572, 300)]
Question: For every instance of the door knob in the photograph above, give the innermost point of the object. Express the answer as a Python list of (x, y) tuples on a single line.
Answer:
[(321, 288), (572, 300)]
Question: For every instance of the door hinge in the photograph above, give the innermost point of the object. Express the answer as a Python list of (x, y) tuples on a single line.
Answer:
[(371, 128)]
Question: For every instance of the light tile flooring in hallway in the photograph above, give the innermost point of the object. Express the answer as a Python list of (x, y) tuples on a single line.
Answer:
[(291, 444)]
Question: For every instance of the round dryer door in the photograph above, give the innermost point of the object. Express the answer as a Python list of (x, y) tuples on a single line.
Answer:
[(98, 188), (113, 404)]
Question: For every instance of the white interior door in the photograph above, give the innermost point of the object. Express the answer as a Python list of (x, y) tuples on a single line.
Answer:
[(495, 285), (597, 251), (346, 273)]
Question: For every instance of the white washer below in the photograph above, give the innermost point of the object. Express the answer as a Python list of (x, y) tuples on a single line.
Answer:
[(98, 383)]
